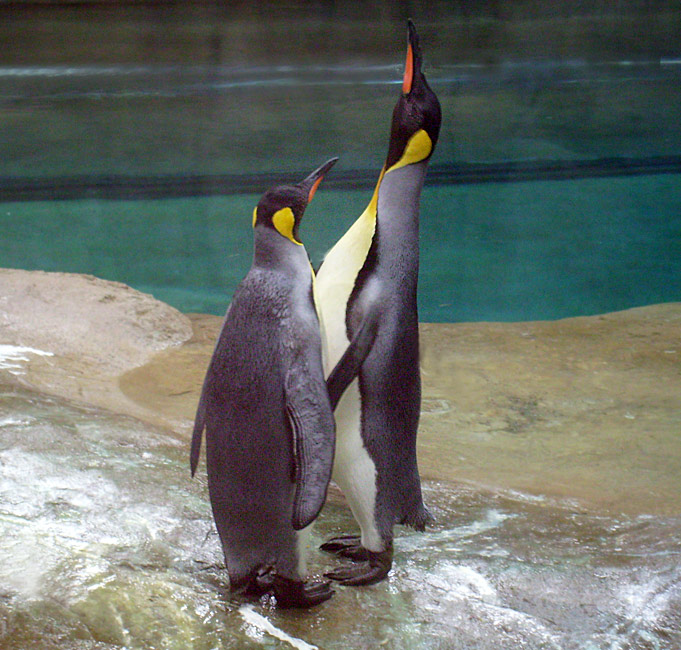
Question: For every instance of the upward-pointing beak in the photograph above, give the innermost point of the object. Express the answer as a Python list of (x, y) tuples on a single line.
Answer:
[(311, 183), (412, 66)]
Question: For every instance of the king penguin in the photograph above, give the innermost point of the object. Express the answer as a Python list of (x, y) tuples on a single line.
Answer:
[(266, 413), (370, 275)]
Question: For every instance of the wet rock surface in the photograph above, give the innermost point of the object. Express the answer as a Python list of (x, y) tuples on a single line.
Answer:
[(550, 460)]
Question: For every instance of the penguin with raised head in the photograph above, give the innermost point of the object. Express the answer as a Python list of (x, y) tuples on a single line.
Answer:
[(266, 413), (370, 275)]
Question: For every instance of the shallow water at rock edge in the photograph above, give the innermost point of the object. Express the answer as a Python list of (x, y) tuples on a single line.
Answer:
[(106, 542)]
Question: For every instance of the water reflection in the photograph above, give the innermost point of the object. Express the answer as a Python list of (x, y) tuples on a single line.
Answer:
[(106, 541)]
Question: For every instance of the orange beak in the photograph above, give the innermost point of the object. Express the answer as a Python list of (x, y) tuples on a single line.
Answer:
[(315, 178), (408, 71), (314, 187)]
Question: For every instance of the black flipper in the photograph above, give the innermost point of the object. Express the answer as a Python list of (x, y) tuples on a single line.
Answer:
[(199, 426), (350, 363), (200, 417), (314, 434)]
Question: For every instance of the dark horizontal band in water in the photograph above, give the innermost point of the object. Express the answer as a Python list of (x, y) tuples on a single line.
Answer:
[(123, 187)]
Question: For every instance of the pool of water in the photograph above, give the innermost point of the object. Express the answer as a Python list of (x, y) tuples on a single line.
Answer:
[(502, 251), (554, 190)]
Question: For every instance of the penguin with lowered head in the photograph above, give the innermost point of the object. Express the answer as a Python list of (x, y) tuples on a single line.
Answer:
[(266, 413)]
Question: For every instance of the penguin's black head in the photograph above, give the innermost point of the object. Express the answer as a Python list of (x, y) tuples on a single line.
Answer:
[(281, 208), (417, 115)]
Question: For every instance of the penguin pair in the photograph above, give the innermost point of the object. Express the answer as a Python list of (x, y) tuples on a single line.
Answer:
[(271, 441)]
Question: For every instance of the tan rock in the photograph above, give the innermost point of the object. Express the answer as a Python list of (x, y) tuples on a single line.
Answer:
[(582, 408), (93, 331), (587, 409)]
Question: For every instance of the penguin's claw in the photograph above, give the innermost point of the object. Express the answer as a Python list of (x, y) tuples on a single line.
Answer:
[(263, 582), (375, 569), (349, 546), (295, 593)]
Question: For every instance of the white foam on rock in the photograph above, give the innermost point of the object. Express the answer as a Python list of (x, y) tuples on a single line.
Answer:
[(14, 357), (264, 625)]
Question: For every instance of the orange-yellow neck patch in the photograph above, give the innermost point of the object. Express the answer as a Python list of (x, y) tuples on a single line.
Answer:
[(418, 148)]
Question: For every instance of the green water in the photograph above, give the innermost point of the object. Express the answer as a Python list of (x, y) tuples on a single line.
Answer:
[(507, 251), (102, 104)]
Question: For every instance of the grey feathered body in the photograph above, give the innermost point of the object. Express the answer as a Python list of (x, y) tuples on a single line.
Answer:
[(265, 372), (389, 380)]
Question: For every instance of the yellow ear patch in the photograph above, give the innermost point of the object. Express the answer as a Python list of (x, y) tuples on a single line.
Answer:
[(255, 215), (418, 148), (284, 221)]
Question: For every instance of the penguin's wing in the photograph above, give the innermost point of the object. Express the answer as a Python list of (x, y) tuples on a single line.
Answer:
[(199, 425), (314, 439), (349, 364), (200, 417)]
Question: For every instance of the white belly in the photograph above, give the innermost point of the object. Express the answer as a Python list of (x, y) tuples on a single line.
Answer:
[(354, 470)]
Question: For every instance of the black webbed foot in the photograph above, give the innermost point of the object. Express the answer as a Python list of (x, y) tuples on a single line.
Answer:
[(368, 572), (296, 593), (349, 546)]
